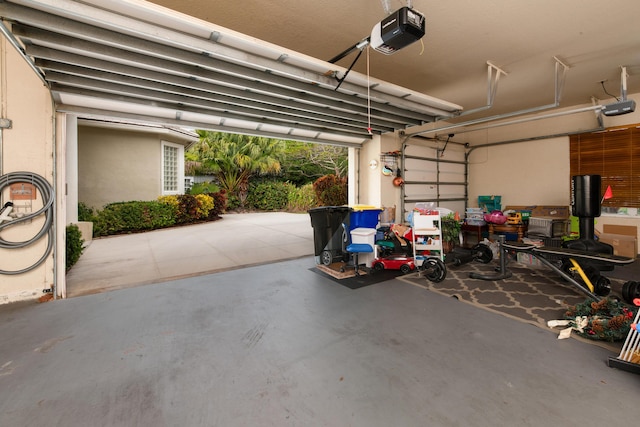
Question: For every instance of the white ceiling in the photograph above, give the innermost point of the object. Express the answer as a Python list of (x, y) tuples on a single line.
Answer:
[(588, 41), (522, 38)]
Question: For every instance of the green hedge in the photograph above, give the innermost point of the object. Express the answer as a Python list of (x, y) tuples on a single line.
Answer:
[(126, 217), (73, 245), (131, 217), (302, 199), (269, 195)]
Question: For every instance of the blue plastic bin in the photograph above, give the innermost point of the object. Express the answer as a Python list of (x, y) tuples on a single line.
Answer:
[(364, 217)]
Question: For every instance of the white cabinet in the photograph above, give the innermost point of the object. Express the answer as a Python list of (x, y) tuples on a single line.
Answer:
[(427, 237)]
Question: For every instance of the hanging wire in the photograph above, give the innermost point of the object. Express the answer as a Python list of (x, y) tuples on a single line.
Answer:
[(605, 91), (368, 94)]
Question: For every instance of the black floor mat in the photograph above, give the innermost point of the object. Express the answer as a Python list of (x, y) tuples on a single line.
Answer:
[(363, 280)]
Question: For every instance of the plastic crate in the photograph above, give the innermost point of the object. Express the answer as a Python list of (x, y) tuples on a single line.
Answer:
[(553, 242), (548, 227), (475, 214), (490, 203)]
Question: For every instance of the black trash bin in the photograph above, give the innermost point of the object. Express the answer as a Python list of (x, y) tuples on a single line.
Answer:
[(329, 233)]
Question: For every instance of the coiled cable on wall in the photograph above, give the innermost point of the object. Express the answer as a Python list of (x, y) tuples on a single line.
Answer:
[(48, 197)]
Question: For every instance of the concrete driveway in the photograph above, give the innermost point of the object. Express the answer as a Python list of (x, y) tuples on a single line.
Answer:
[(237, 240)]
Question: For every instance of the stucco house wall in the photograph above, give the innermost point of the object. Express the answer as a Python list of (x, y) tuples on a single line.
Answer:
[(123, 163), (26, 145)]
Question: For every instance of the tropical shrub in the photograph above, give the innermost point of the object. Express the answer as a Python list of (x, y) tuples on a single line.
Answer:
[(187, 209), (269, 195), (85, 213), (233, 202), (204, 188), (219, 204), (331, 190), (234, 159), (205, 205), (171, 201), (301, 199), (73, 245)]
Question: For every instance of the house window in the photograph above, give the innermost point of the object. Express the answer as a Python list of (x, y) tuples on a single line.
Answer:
[(172, 168), (614, 155)]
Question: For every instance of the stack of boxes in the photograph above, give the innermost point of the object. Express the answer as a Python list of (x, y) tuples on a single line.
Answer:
[(474, 216), (623, 239)]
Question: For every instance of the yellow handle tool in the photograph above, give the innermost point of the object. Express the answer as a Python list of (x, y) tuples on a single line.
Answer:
[(585, 279)]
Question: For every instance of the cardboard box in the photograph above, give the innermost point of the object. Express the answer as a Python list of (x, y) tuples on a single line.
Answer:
[(544, 211), (625, 230), (623, 238)]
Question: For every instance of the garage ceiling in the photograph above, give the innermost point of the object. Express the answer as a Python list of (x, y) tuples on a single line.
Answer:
[(260, 66), (137, 61), (592, 38)]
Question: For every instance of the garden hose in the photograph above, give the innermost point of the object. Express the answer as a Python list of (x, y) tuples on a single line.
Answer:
[(48, 196)]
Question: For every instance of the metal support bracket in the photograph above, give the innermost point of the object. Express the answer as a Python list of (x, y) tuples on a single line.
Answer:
[(560, 74), (492, 82), (560, 77), (5, 123), (623, 83)]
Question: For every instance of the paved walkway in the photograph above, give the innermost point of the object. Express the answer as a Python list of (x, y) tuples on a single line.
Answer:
[(238, 240)]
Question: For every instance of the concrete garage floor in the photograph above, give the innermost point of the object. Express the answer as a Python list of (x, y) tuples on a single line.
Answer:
[(279, 345)]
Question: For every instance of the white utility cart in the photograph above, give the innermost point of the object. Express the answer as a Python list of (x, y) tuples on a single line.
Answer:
[(428, 255)]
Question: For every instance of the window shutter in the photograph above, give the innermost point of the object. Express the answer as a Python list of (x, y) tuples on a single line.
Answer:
[(615, 155)]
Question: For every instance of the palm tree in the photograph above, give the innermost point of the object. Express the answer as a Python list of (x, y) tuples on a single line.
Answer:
[(234, 159)]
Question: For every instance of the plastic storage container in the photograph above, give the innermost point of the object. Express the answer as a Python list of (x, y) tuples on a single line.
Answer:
[(365, 217), (474, 216), (548, 227), (364, 236), (490, 203)]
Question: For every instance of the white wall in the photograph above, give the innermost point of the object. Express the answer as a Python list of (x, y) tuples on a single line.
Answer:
[(534, 172), (529, 173), (27, 146), (369, 183)]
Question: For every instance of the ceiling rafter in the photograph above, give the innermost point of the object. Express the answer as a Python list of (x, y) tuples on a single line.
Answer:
[(65, 63), (87, 54)]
